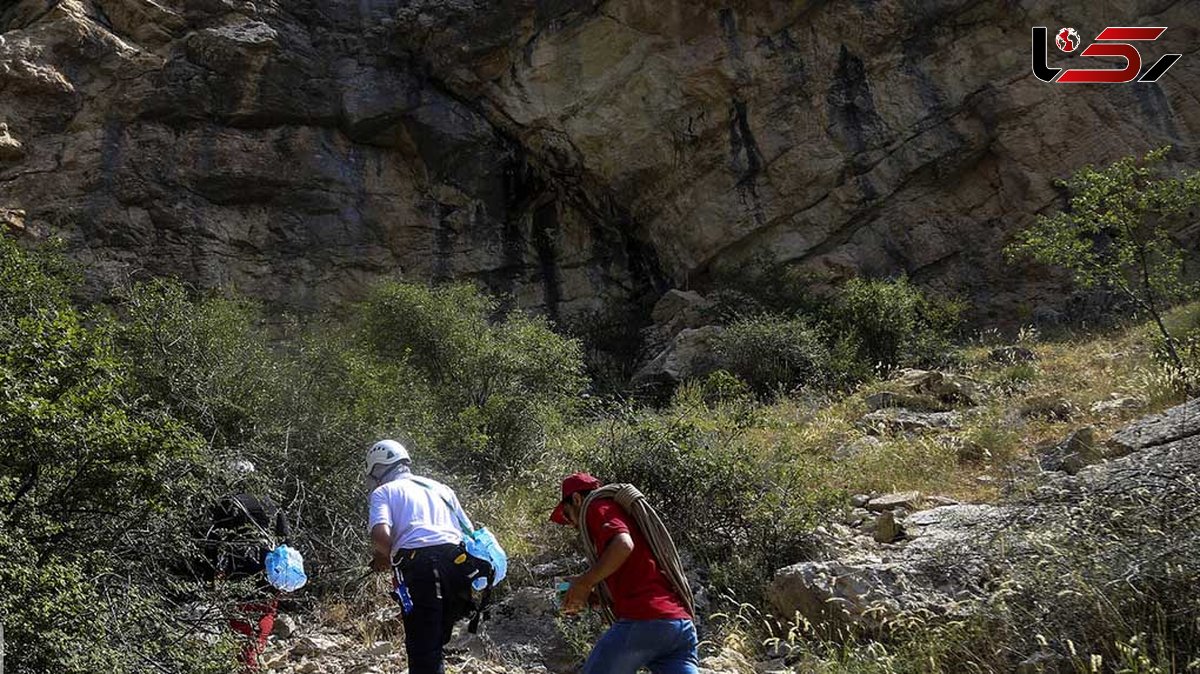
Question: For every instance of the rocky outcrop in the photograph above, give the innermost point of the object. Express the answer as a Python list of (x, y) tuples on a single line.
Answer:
[(690, 354), (573, 154), (926, 391), (1174, 424), (1132, 517), (295, 151)]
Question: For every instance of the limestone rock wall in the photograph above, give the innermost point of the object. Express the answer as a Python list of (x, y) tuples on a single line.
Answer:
[(576, 153)]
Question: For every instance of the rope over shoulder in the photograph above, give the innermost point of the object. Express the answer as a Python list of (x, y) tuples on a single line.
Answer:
[(662, 546)]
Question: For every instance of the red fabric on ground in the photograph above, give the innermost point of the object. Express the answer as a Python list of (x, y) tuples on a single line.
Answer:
[(255, 621)]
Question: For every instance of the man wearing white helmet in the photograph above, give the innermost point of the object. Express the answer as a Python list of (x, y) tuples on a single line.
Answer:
[(416, 529)]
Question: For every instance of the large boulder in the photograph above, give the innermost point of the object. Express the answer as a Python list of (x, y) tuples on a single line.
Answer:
[(888, 502), (1174, 424), (926, 391), (679, 309), (933, 572), (692, 353), (945, 386)]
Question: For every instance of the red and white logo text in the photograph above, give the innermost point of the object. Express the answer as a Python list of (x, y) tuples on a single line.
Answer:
[(1114, 42)]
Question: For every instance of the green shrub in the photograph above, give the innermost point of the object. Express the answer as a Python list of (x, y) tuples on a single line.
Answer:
[(740, 514), (868, 327), (892, 323), (91, 474), (1122, 235), (764, 286), (771, 352), (473, 394), (499, 384)]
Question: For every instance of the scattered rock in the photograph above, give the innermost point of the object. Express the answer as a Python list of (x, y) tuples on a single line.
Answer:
[(1118, 403), (951, 558), (13, 217), (382, 648), (777, 665), (903, 499), (1072, 454), (887, 529), (310, 667), (1042, 662), (285, 626), (894, 419), (1047, 406), (859, 500), (857, 517), (549, 569), (315, 644), (11, 149), (1011, 355), (909, 401), (856, 447), (728, 661), (945, 387), (1176, 423), (941, 500)]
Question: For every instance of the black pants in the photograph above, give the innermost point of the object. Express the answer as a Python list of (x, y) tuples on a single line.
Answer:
[(440, 592)]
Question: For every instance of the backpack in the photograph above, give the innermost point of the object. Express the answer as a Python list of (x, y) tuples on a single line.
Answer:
[(237, 541)]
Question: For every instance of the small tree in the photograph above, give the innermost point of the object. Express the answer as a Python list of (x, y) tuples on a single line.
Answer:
[(1117, 233)]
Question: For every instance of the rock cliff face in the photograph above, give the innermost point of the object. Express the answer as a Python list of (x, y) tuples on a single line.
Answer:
[(575, 153)]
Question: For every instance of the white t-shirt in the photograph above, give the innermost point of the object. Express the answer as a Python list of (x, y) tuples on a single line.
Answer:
[(419, 516)]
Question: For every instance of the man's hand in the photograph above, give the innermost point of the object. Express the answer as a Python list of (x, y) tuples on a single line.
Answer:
[(380, 563), (576, 598)]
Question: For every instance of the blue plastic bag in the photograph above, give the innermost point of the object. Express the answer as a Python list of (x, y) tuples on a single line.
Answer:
[(285, 569), (482, 544)]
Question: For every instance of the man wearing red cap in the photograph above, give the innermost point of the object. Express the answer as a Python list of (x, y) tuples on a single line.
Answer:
[(653, 627)]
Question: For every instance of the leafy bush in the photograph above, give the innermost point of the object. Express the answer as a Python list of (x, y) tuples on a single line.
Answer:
[(892, 323), (501, 384), (764, 286), (89, 474), (772, 352), (1119, 235), (739, 514), (474, 397), (781, 336)]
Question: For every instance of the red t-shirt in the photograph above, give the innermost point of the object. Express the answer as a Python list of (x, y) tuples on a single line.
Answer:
[(640, 590)]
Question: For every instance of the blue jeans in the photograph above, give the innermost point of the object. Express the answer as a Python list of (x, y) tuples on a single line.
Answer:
[(662, 646)]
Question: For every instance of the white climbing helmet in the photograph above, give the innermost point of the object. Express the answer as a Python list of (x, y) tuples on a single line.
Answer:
[(386, 453), (240, 468)]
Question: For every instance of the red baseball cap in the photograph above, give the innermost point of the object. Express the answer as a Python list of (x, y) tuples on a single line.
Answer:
[(573, 484)]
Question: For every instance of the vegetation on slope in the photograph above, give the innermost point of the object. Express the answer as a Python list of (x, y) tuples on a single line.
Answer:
[(116, 422)]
